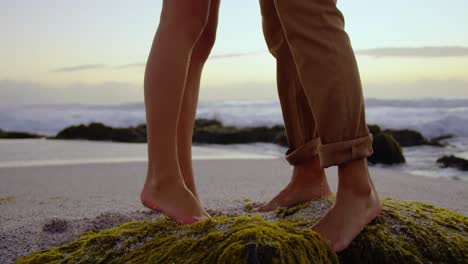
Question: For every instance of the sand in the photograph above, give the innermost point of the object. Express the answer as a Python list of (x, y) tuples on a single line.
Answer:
[(53, 204)]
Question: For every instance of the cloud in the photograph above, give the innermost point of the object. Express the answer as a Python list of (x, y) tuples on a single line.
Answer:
[(77, 68), (402, 52), (212, 57), (24, 92), (130, 65), (415, 52), (86, 67)]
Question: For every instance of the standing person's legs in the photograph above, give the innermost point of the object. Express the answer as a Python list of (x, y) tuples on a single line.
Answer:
[(328, 71), (200, 54), (308, 179), (180, 27)]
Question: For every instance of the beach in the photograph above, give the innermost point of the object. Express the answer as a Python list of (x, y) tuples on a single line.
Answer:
[(104, 194)]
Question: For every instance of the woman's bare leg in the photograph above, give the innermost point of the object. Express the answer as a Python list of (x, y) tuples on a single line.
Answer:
[(180, 27), (200, 54)]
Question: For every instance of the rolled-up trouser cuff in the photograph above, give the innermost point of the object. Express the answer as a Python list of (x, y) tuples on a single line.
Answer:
[(303, 152), (341, 152)]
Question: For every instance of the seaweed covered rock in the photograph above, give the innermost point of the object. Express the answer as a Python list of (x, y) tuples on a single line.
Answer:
[(408, 138), (242, 239), (439, 141), (216, 134), (386, 150), (411, 232), (212, 131), (453, 162), (281, 139), (209, 131), (405, 232), (17, 135), (93, 131), (374, 129), (202, 122), (101, 132), (131, 134)]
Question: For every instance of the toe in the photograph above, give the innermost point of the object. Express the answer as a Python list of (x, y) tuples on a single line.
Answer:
[(201, 218), (340, 246), (259, 208)]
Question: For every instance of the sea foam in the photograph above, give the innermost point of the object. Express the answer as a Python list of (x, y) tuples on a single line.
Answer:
[(432, 117)]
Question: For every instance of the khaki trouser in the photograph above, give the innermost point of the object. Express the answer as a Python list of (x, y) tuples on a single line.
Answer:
[(318, 81)]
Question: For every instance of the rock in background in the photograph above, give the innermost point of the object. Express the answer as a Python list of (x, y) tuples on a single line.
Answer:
[(387, 150)]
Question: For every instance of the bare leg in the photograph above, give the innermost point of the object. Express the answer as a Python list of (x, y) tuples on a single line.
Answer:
[(200, 54), (308, 182), (181, 24), (357, 204)]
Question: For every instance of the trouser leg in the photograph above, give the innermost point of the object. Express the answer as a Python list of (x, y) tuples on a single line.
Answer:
[(327, 67), (298, 119)]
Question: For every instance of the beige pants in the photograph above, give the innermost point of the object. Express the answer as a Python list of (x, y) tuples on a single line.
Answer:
[(318, 81)]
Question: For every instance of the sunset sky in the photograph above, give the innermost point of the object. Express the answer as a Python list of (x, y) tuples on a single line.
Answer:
[(88, 51)]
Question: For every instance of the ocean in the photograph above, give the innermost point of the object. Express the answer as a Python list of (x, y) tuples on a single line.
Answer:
[(431, 117)]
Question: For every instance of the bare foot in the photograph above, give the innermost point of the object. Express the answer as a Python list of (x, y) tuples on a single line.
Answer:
[(308, 182), (354, 208), (292, 195), (174, 200)]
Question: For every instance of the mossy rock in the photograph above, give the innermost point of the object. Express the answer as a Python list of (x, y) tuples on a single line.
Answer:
[(374, 129), (453, 162), (18, 135), (202, 122), (407, 137), (439, 141), (235, 135), (386, 150), (130, 135), (93, 131), (281, 139), (405, 232), (101, 132)]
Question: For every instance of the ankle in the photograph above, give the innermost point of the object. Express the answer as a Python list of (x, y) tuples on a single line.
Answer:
[(354, 191), (312, 164), (306, 179), (308, 172), (159, 181), (354, 178)]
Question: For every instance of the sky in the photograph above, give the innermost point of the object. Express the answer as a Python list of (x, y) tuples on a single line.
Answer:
[(88, 51)]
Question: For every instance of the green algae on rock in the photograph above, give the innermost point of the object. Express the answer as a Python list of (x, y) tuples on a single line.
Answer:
[(248, 205), (411, 232), (6, 199), (405, 232), (241, 239), (283, 212)]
